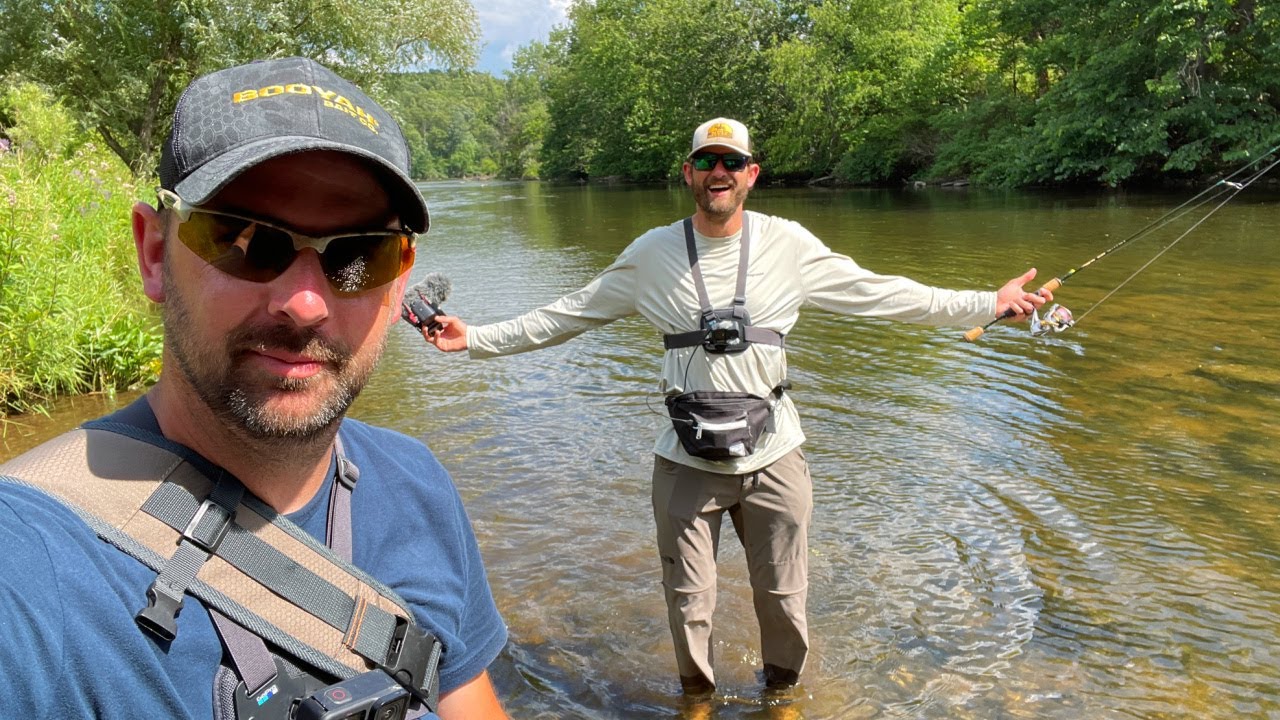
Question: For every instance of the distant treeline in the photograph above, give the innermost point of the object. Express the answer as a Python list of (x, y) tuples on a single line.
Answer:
[(1001, 92), (465, 124)]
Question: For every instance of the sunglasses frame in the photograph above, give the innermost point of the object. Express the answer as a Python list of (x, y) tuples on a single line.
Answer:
[(719, 158), (183, 210)]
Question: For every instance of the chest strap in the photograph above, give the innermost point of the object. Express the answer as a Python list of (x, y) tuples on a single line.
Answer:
[(750, 333), (248, 653), (231, 551)]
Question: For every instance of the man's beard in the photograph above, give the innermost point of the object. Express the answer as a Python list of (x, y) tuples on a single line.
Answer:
[(220, 380), (724, 207)]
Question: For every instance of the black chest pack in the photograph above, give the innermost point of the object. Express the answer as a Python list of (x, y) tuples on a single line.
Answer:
[(306, 634), (715, 424)]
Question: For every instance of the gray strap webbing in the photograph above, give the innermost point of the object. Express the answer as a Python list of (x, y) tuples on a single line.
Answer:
[(175, 506), (249, 654), (201, 535), (106, 477), (744, 254), (751, 334), (338, 532), (691, 247)]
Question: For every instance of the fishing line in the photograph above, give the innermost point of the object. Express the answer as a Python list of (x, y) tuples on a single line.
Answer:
[(1238, 188), (1062, 317)]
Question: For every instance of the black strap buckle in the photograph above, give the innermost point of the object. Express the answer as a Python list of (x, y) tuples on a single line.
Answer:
[(413, 660), (160, 615)]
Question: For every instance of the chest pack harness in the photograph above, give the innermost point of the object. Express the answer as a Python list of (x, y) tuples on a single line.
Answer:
[(308, 635), (714, 424), (729, 330)]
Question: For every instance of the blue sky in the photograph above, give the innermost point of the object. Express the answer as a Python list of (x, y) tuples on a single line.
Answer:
[(508, 24)]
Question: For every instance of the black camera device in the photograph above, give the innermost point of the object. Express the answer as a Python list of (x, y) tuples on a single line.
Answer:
[(374, 695), (420, 313), (295, 694), (725, 332)]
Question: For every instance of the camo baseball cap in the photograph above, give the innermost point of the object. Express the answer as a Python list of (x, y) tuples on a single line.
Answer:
[(230, 120)]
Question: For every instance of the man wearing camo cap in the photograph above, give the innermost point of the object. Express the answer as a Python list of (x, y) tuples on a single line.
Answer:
[(278, 252)]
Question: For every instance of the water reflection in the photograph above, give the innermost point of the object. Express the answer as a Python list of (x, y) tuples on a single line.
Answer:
[(1079, 526), (21, 433)]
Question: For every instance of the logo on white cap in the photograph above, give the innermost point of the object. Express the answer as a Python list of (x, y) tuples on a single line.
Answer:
[(722, 132)]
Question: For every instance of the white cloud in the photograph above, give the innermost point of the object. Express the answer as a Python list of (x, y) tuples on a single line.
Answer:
[(508, 24)]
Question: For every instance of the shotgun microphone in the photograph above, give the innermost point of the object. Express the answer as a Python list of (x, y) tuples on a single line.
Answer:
[(422, 302)]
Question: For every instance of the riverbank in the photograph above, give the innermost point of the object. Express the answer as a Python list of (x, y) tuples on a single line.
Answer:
[(72, 320)]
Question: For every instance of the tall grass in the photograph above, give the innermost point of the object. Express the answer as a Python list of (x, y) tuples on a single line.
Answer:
[(72, 315)]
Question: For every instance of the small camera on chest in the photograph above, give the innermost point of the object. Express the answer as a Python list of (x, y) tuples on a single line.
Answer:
[(370, 696), (725, 333)]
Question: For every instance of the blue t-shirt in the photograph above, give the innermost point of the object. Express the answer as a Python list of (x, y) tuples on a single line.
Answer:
[(69, 646)]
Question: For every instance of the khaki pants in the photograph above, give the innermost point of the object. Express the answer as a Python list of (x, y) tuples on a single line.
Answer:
[(770, 510)]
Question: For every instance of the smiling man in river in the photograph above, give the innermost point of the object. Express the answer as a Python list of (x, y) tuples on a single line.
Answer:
[(725, 287)]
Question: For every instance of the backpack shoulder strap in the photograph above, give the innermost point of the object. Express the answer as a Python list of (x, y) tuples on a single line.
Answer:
[(751, 333), (258, 569)]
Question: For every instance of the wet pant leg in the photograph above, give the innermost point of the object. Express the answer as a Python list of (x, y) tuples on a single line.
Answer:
[(688, 505), (772, 521)]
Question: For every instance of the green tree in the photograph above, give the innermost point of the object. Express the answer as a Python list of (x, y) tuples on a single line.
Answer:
[(634, 77), (1128, 90), (117, 65), (523, 118), (451, 121), (859, 87), (1009, 92)]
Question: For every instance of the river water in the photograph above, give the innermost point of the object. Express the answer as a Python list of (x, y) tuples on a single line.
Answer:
[(1073, 526)]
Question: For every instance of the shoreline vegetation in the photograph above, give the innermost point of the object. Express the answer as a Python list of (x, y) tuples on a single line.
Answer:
[(71, 318), (840, 94)]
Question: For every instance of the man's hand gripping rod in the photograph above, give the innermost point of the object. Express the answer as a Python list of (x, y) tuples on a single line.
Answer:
[(1225, 186), (977, 332)]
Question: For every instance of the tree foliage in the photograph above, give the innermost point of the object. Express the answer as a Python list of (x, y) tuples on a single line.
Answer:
[(119, 65), (632, 78), (470, 124), (71, 318), (1007, 92), (1116, 91), (448, 120), (858, 86), (1011, 92)]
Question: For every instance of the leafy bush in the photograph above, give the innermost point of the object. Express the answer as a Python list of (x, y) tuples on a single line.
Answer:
[(72, 318)]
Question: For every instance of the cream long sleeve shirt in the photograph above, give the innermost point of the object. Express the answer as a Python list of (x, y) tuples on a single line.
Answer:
[(788, 268)]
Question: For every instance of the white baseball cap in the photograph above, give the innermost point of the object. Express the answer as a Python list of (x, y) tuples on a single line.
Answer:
[(722, 132)]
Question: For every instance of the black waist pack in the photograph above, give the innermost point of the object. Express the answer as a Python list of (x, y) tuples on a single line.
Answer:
[(716, 425)]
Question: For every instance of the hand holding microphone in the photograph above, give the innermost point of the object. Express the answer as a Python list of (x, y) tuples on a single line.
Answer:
[(421, 304), (421, 309)]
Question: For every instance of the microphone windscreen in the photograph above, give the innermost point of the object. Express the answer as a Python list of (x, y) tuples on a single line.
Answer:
[(434, 288)]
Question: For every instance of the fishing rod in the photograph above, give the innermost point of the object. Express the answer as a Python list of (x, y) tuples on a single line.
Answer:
[(1059, 318)]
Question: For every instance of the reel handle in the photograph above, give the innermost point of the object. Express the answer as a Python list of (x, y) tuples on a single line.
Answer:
[(977, 332)]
